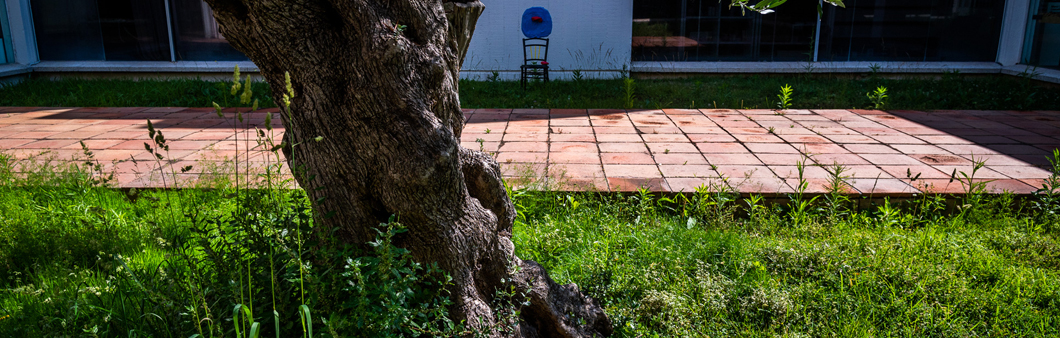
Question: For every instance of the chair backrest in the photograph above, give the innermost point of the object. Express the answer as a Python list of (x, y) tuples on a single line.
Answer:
[(535, 50)]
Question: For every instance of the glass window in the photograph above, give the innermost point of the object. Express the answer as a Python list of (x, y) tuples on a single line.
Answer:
[(6, 54), (129, 30), (706, 30), (912, 30), (196, 34), (67, 30), (866, 30), (134, 30), (1044, 35)]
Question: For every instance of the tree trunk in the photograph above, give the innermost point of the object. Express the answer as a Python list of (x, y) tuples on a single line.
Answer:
[(378, 80)]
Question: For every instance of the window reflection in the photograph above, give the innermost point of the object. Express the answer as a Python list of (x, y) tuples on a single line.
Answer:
[(866, 30), (197, 36), (129, 30)]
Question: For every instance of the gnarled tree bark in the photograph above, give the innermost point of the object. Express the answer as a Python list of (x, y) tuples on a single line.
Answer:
[(378, 80)]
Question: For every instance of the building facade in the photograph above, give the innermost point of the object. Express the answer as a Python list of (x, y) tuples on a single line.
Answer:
[(593, 38)]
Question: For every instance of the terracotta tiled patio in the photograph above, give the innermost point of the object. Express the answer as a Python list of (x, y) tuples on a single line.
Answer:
[(669, 150)]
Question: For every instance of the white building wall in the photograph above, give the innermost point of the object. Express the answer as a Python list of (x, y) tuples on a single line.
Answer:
[(592, 36)]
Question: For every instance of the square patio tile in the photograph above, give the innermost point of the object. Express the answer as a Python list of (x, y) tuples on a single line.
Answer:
[(733, 158), (633, 184), (771, 148), (680, 158), (690, 184), (897, 139), (792, 171), (45, 144), (984, 173), (574, 157), (752, 138), (572, 147), (521, 157), (944, 139), (627, 158), (632, 170), (526, 130), (919, 149), (570, 122), (668, 148), (556, 130), (849, 139), (703, 130), (576, 170), (804, 138), (582, 184), (761, 185), (780, 159), (906, 171), (618, 138), (664, 138), (466, 137), (528, 170), (844, 159), (708, 138), (538, 147), (1013, 186), (625, 147), (721, 147), (870, 149), (882, 186), (95, 144), (820, 148), (11, 143), (934, 159), (484, 146), (890, 159), (34, 134), (572, 137), (615, 130), (816, 185), (688, 170), (734, 172), (1021, 171)]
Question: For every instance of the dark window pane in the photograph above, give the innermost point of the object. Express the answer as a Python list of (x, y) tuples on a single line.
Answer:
[(706, 30), (67, 30), (134, 30), (197, 38), (912, 30), (1044, 29), (6, 55)]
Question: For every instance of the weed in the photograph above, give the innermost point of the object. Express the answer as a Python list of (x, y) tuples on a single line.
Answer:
[(1047, 205), (837, 202), (878, 97), (874, 69), (629, 95), (800, 211), (784, 97), (577, 76)]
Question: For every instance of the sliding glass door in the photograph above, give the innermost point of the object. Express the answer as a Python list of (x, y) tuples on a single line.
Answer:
[(129, 30)]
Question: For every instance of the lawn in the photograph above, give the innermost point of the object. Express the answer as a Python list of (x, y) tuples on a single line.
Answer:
[(949, 91), (82, 260)]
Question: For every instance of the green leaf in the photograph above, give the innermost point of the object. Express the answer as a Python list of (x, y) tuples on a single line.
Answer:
[(307, 319)]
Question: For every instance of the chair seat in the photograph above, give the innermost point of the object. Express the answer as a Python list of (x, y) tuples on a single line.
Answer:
[(534, 66)]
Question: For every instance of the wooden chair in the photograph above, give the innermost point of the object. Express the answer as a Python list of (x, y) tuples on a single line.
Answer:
[(535, 60)]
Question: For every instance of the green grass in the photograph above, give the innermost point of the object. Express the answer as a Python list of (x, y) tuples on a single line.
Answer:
[(81, 260), (950, 91)]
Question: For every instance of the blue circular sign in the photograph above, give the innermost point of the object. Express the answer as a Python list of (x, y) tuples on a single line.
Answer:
[(537, 23)]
